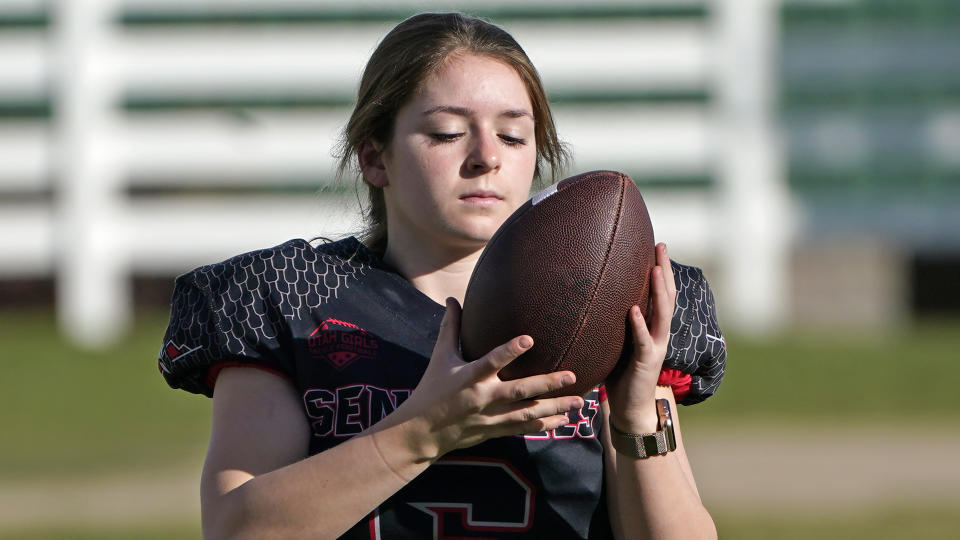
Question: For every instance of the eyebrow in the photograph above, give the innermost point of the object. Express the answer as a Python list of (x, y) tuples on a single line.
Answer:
[(464, 111)]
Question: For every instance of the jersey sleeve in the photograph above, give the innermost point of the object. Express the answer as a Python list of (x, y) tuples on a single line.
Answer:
[(697, 348), (217, 321)]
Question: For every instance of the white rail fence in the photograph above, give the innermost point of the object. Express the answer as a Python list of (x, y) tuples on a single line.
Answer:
[(91, 234)]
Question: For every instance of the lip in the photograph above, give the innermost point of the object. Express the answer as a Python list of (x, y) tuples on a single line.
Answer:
[(481, 197)]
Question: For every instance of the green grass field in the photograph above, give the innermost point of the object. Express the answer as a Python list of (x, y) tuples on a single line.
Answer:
[(72, 415), (77, 413), (840, 377)]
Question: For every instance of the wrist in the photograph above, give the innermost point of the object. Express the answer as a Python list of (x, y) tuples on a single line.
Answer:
[(641, 420), (419, 441), (646, 443), (401, 450), (411, 434)]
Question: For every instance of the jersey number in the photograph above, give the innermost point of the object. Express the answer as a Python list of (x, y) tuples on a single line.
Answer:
[(449, 495)]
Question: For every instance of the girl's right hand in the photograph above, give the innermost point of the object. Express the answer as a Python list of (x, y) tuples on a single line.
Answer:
[(459, 404)]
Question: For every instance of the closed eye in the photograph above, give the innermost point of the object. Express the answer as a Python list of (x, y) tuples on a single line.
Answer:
[(513, 141), (445, 137)]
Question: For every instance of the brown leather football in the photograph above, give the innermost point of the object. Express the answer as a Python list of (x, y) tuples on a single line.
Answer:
[(565, 268)]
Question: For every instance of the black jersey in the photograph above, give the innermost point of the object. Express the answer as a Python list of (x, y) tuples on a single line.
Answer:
[(354, 338)]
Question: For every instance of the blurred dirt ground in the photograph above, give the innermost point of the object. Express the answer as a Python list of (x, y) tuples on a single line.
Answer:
[(758, 471)]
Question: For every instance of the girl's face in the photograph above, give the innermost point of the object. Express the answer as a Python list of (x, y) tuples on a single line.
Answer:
[(462, 156)]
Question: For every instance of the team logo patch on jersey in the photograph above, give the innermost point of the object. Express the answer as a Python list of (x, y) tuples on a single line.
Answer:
[(342, 343), (174, 352)]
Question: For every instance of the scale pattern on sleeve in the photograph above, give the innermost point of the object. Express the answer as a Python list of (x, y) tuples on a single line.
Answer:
[(235, 311), (696, 344)]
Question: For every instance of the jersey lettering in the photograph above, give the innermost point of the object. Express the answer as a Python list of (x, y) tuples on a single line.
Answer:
[(585, 428), (321, 407), (348, 410), (580, 426)]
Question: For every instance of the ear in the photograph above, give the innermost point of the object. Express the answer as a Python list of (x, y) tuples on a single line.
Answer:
[(374, 171)]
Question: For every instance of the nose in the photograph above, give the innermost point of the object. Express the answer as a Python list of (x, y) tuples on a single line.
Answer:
[(485, 154)]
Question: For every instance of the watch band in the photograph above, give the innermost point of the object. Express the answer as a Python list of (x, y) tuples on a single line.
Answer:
[(644, 445)]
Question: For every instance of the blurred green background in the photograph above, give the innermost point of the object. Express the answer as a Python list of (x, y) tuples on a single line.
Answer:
[(843, 425)]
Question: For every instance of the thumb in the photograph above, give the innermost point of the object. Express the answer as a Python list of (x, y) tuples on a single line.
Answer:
[(643, 344), (449, 337)]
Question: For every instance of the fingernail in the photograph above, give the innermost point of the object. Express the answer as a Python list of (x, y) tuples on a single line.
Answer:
[(566, 379), (525, 342)]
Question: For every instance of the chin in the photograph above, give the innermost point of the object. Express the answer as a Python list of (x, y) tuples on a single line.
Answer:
[(477, 229), (476, 240), (473, 237)]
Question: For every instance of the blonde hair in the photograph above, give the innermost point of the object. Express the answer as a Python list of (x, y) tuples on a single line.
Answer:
[(403, 60)]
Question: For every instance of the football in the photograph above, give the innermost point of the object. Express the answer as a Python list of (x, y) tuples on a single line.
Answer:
[(564, 268)]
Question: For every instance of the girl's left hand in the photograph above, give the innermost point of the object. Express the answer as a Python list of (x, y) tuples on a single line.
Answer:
[(631, 392)]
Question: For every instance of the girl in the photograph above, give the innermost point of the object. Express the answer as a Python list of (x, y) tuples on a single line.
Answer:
[(341, 406)]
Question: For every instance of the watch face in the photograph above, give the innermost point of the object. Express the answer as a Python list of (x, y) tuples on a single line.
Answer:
[(663, 410), (666, 423)]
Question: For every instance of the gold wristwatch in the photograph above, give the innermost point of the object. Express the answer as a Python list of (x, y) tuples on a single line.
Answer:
[(644, 445)]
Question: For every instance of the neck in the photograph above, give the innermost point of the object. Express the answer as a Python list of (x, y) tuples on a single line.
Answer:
[(436, 270)]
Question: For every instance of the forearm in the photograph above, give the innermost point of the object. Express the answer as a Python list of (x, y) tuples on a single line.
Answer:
[(655, 497), (654, 500), (258, 482), (321, 496)]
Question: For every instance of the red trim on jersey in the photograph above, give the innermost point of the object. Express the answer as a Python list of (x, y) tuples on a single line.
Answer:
[(676, 379), (602, 393), (214, 371), (373, 518)]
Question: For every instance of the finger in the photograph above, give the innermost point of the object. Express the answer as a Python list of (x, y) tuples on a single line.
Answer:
[(449, 338), (663, 261), (535, 385), (641, 335), (645, 356), (495, 360), (539, 416), (546, 423), (521, 412), (662, 304)]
